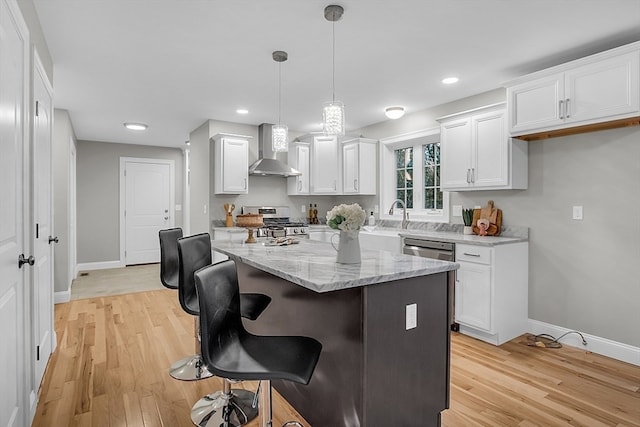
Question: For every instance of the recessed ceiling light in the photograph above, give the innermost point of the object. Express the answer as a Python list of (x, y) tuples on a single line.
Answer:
[(394, 112), (135, 126), (242, 111), (450, 80)]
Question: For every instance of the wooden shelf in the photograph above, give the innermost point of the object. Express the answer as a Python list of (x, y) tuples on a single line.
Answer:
[(632, 121)]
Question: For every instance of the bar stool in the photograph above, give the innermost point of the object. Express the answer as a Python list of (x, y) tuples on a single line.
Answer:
[(169, 263), (194, 252), (191, 367), (230, 351)]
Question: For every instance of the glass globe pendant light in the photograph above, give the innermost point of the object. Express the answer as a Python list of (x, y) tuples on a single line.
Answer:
[(333, 112), (279, 132)]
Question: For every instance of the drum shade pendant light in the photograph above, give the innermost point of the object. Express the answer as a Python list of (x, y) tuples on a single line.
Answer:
[(333, 112), (280, 132)]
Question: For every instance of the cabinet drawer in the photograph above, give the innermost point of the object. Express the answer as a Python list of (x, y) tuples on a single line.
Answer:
[(473, 253)]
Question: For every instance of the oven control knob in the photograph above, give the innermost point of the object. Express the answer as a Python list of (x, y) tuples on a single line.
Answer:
[(296, 231)]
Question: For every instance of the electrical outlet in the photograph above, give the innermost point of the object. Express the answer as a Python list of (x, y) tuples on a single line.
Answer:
[(411, 311), (577, 213), (457, 210), (303, 208)]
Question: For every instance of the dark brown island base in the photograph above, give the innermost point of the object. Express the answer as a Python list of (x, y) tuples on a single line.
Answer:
[(383, 324)]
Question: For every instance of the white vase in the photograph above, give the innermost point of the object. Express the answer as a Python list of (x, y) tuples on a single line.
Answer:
[(348, 247), (468, 229)]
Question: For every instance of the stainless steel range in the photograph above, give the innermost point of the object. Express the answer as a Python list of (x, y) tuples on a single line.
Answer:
[(277, 222)]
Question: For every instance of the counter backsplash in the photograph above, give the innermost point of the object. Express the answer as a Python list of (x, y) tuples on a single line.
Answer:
[(507, 231)]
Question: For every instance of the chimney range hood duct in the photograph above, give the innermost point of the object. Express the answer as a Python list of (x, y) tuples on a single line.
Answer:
[(267, 164)]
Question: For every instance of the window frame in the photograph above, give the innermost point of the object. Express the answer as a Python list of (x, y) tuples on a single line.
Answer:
[(388, 178)]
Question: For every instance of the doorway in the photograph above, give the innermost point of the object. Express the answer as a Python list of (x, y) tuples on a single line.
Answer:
[(147, 188)]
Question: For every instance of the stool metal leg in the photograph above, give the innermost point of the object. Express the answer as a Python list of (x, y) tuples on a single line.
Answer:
[(228, 407), (266, 406), (191, 368)]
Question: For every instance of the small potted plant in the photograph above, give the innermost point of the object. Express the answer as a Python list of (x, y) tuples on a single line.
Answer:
[(467, 217)]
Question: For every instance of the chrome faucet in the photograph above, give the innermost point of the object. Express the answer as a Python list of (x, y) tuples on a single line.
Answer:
[(405, 215)]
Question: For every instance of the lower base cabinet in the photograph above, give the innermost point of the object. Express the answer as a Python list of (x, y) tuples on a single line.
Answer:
[(491, 291)]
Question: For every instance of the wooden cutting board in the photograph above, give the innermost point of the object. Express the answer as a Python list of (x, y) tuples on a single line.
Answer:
[(494, 227)]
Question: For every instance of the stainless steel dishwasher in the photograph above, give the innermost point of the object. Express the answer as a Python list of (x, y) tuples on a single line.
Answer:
[(444, 251)]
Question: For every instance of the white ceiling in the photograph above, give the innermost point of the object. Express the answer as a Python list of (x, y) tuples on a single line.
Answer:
[(176, 63)]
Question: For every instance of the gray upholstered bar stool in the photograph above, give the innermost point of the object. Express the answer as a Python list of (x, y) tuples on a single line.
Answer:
[(230, 351), (191, 367)]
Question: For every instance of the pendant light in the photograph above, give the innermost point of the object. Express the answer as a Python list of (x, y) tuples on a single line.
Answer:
[(333, 112), (280, 132)]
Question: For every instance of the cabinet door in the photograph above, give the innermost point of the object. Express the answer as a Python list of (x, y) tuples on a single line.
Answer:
[(299, 158), (235, 166), (604, 89), (455, 146), (324, 165), (490, 150), (473, 297), (536, 104), (350, 168)]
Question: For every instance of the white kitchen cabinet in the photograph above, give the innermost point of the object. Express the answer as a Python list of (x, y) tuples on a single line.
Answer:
[(477, 154), (595, 89), (491, 291), (359, 166), (325, 165), (231, 164), (299, 157)]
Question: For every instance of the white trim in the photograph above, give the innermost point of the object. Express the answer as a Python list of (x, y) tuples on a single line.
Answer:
[(603, 346), (102, 265), (62, 297), (387, 169), (172, 203)]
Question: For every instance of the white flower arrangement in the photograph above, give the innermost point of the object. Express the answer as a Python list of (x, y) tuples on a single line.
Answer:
[(346, 217)]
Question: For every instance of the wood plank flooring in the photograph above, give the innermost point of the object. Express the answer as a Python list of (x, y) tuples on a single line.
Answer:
[(110, 369)]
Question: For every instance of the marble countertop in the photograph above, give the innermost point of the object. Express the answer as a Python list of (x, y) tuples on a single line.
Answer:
[(443, 236), (312, 264)]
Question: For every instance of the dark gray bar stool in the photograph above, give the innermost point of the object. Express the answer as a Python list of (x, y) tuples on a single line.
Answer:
[(231, 352)]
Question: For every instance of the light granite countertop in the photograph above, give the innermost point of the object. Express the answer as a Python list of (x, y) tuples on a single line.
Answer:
[(312, 264), (508, 236)]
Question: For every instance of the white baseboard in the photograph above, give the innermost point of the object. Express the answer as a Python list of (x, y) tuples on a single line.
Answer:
[(100, 265), (61, 296), (603, 346)]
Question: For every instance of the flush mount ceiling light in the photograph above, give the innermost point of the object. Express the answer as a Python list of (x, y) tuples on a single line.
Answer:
[(394, 112), (135, 126), (279, 132), (450, 80), (242, 111), (333, 112)]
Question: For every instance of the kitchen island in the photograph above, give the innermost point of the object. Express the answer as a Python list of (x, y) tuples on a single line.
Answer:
[(383, 325)]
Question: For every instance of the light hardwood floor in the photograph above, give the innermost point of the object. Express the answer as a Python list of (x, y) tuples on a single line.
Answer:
[(110, 369)]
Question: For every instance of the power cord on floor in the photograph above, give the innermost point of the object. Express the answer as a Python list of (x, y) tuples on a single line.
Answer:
[(549, 341)]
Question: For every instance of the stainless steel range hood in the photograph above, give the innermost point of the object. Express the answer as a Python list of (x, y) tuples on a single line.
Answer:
[(267, 164)]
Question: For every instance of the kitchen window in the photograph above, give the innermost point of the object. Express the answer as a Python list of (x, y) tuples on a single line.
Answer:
[(410, 171)]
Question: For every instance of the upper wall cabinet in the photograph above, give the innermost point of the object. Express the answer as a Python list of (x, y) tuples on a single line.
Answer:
[(600, 88), (359, 166), (325, 163), (477, 154), (231, 164)]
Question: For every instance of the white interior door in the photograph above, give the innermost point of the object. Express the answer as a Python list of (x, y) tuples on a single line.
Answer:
[(148, 208), (13, 210), (42, 279)]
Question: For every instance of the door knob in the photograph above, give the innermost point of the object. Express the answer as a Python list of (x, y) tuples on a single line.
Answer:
[(53, 239), (22, 260)]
